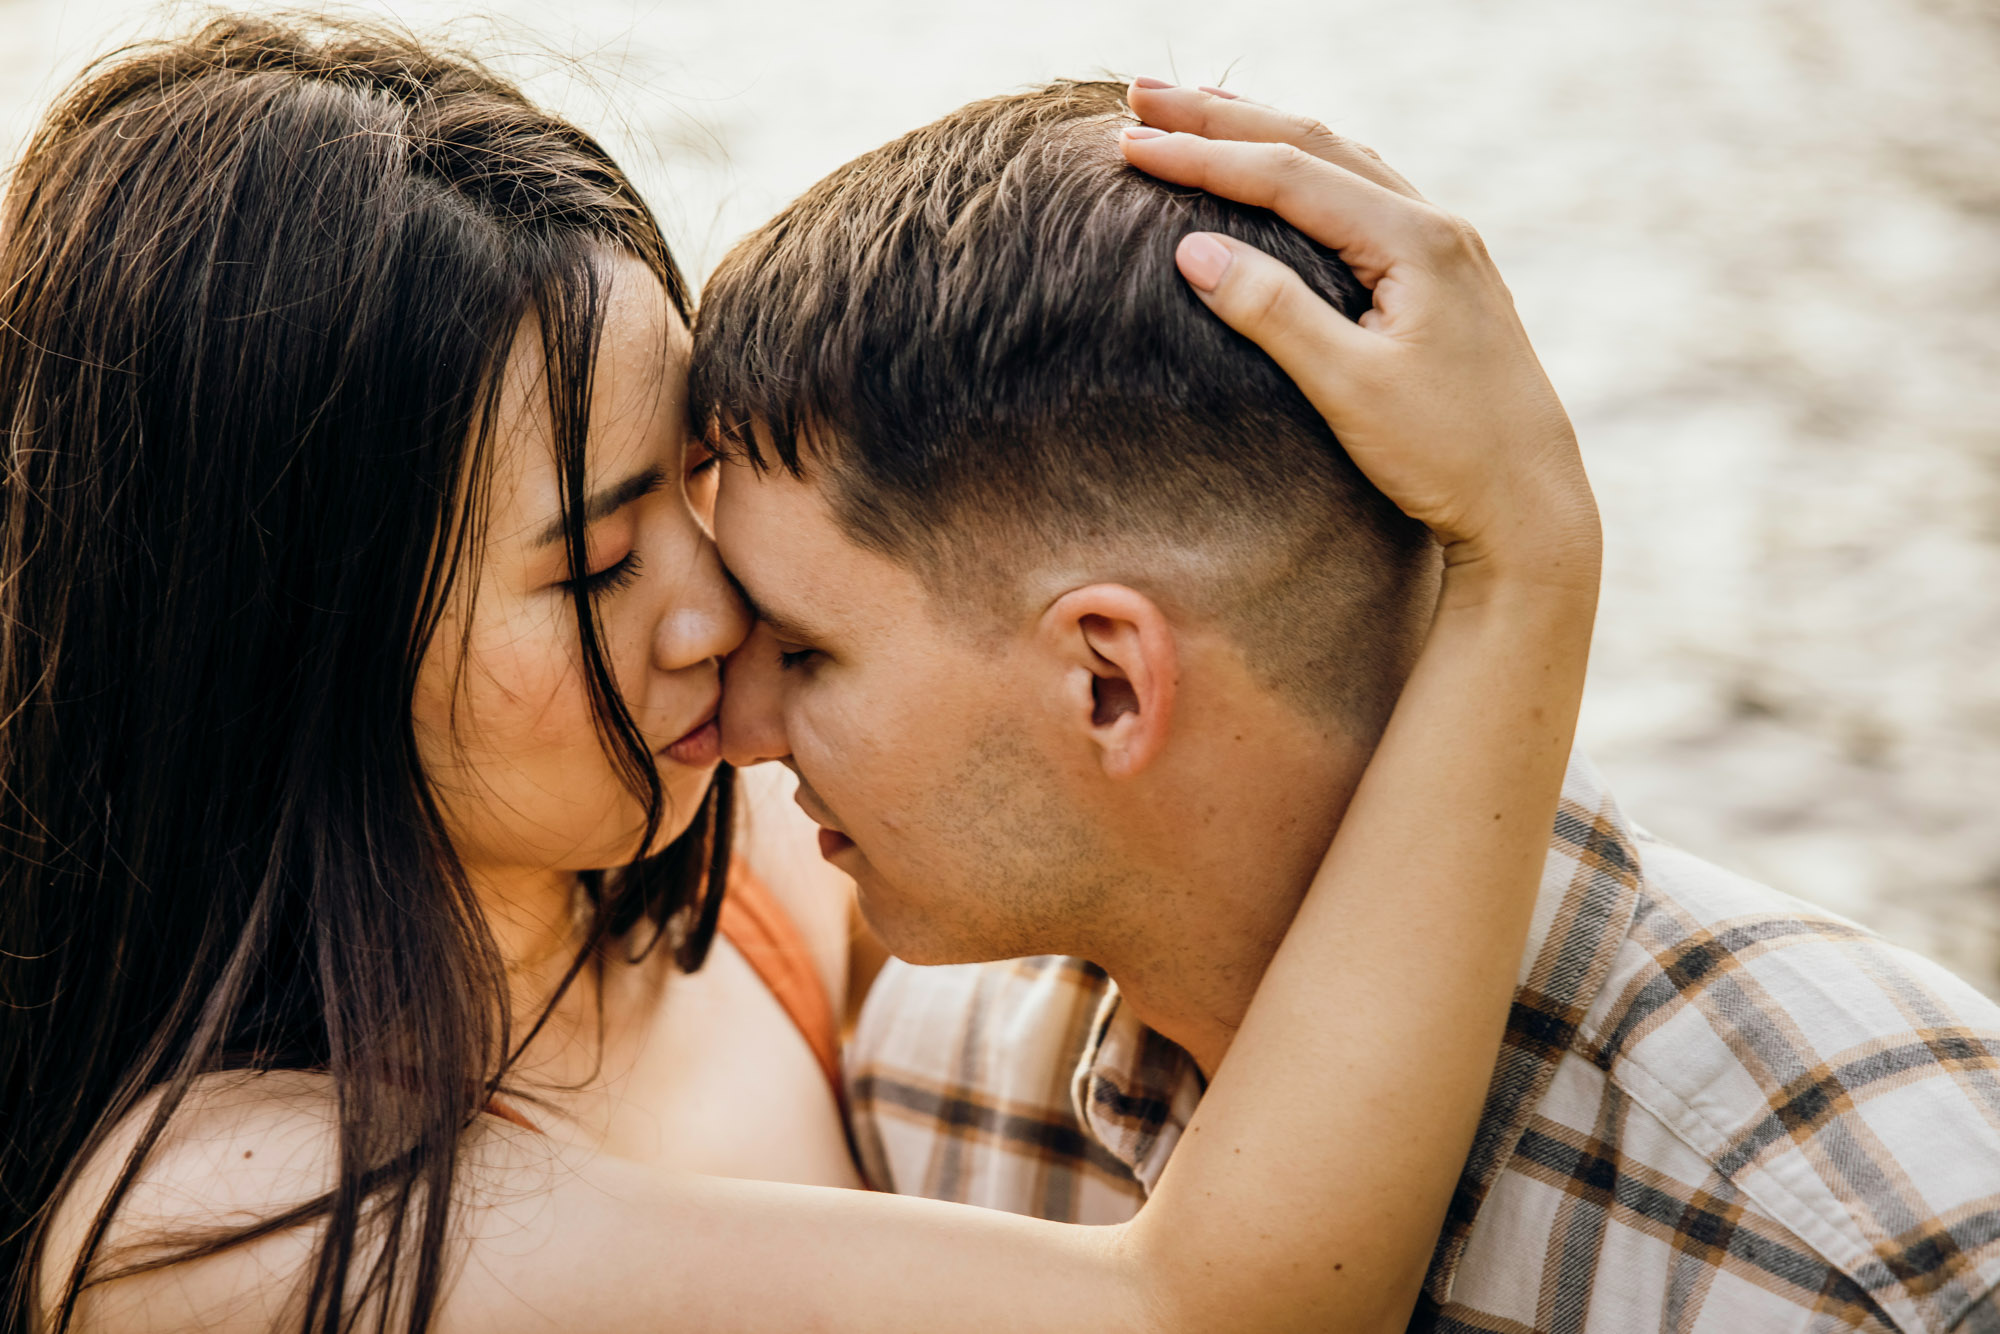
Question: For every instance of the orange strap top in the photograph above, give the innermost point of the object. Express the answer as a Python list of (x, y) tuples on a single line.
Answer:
[(769, 940)]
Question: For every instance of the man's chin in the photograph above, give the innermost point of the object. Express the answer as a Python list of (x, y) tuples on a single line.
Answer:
[(918, 933), (907, 932)]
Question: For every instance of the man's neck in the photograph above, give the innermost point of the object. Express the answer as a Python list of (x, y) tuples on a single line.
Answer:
[(1200, 1015), (1190, 949)]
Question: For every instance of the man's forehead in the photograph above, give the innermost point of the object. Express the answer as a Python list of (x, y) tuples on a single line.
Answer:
[(798, 570), (766, 518)]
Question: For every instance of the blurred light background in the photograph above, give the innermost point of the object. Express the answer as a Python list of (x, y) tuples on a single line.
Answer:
[(1757, 243)]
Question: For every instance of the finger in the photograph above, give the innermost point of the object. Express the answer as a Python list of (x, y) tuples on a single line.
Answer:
[(1267, 302), (1371, 227), (1214, 114)]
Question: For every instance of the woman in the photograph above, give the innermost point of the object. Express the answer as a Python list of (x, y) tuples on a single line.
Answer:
[(362, 819)]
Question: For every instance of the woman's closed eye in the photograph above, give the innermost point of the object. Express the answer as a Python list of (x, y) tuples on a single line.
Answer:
[(789, 659), (619, 574)]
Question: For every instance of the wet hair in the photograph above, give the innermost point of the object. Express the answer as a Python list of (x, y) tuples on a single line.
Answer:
[(976, 335), (257, 287)]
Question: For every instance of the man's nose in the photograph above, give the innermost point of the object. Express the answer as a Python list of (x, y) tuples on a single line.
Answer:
[(753, 723)]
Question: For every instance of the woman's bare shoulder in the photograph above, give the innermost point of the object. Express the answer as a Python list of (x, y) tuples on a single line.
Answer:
[(558, 1237), (240, 1148)]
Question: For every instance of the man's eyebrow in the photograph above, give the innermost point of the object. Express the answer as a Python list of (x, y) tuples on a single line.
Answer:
[(781, 625), (603, 504)]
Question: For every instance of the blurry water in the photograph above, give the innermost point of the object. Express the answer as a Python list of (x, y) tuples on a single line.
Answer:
[(1758, 244)]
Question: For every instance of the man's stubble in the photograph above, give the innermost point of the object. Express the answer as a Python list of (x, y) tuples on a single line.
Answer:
[(1021, 869)]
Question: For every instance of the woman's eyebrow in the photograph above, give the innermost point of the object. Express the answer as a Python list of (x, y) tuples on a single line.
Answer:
[(602, 504)]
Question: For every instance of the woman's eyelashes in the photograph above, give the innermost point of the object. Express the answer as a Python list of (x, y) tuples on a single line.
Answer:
[(790, 659), (619, 574)]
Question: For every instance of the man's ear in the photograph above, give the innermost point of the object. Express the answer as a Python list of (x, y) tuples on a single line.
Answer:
[(1120, 669)]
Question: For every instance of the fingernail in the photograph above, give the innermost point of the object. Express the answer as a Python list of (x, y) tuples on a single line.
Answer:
[(1220, 92), (1203, 259), (1148, 81), (1143, 132)]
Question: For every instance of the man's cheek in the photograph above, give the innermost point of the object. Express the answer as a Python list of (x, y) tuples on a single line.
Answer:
[(872, 755), (888, 781)]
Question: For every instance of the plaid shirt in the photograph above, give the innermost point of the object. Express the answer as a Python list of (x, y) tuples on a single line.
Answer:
[(1716, 1109)]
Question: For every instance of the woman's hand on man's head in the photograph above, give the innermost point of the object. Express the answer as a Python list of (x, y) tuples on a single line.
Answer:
[(1435, 393)]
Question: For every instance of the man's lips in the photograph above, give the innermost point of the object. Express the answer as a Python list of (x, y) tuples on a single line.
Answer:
[(701, 745), (831, 840)]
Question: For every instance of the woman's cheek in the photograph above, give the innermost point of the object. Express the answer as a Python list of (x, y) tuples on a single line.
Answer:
[(524, 685)]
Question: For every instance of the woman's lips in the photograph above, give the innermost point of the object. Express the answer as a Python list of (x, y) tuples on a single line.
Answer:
[(698, 749), (832, 841)]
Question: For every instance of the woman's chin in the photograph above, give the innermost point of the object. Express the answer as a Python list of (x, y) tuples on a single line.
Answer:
[(686, 788)]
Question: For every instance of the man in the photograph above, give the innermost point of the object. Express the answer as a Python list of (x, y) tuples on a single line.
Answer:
[(1078, 628)]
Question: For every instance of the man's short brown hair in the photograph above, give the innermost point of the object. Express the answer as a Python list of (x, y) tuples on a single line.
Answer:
[(977, 336)]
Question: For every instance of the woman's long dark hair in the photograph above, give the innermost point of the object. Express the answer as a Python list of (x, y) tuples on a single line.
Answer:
[(256, 289)]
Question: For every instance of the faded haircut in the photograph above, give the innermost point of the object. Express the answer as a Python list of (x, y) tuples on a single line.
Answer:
[(977, 339)]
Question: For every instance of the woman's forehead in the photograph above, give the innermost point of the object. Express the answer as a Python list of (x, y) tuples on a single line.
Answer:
[(638, 397)]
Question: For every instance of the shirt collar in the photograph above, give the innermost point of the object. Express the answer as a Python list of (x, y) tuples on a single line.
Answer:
[(1135, 1091)]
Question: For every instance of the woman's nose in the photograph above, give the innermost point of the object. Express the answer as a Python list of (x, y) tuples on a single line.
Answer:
[(753, 723)]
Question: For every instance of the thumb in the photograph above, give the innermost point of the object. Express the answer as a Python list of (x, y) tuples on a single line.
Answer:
[(1267, 302)]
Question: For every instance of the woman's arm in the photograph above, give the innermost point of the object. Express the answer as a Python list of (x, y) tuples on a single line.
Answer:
[(1413, 930), (1309, 1189)]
